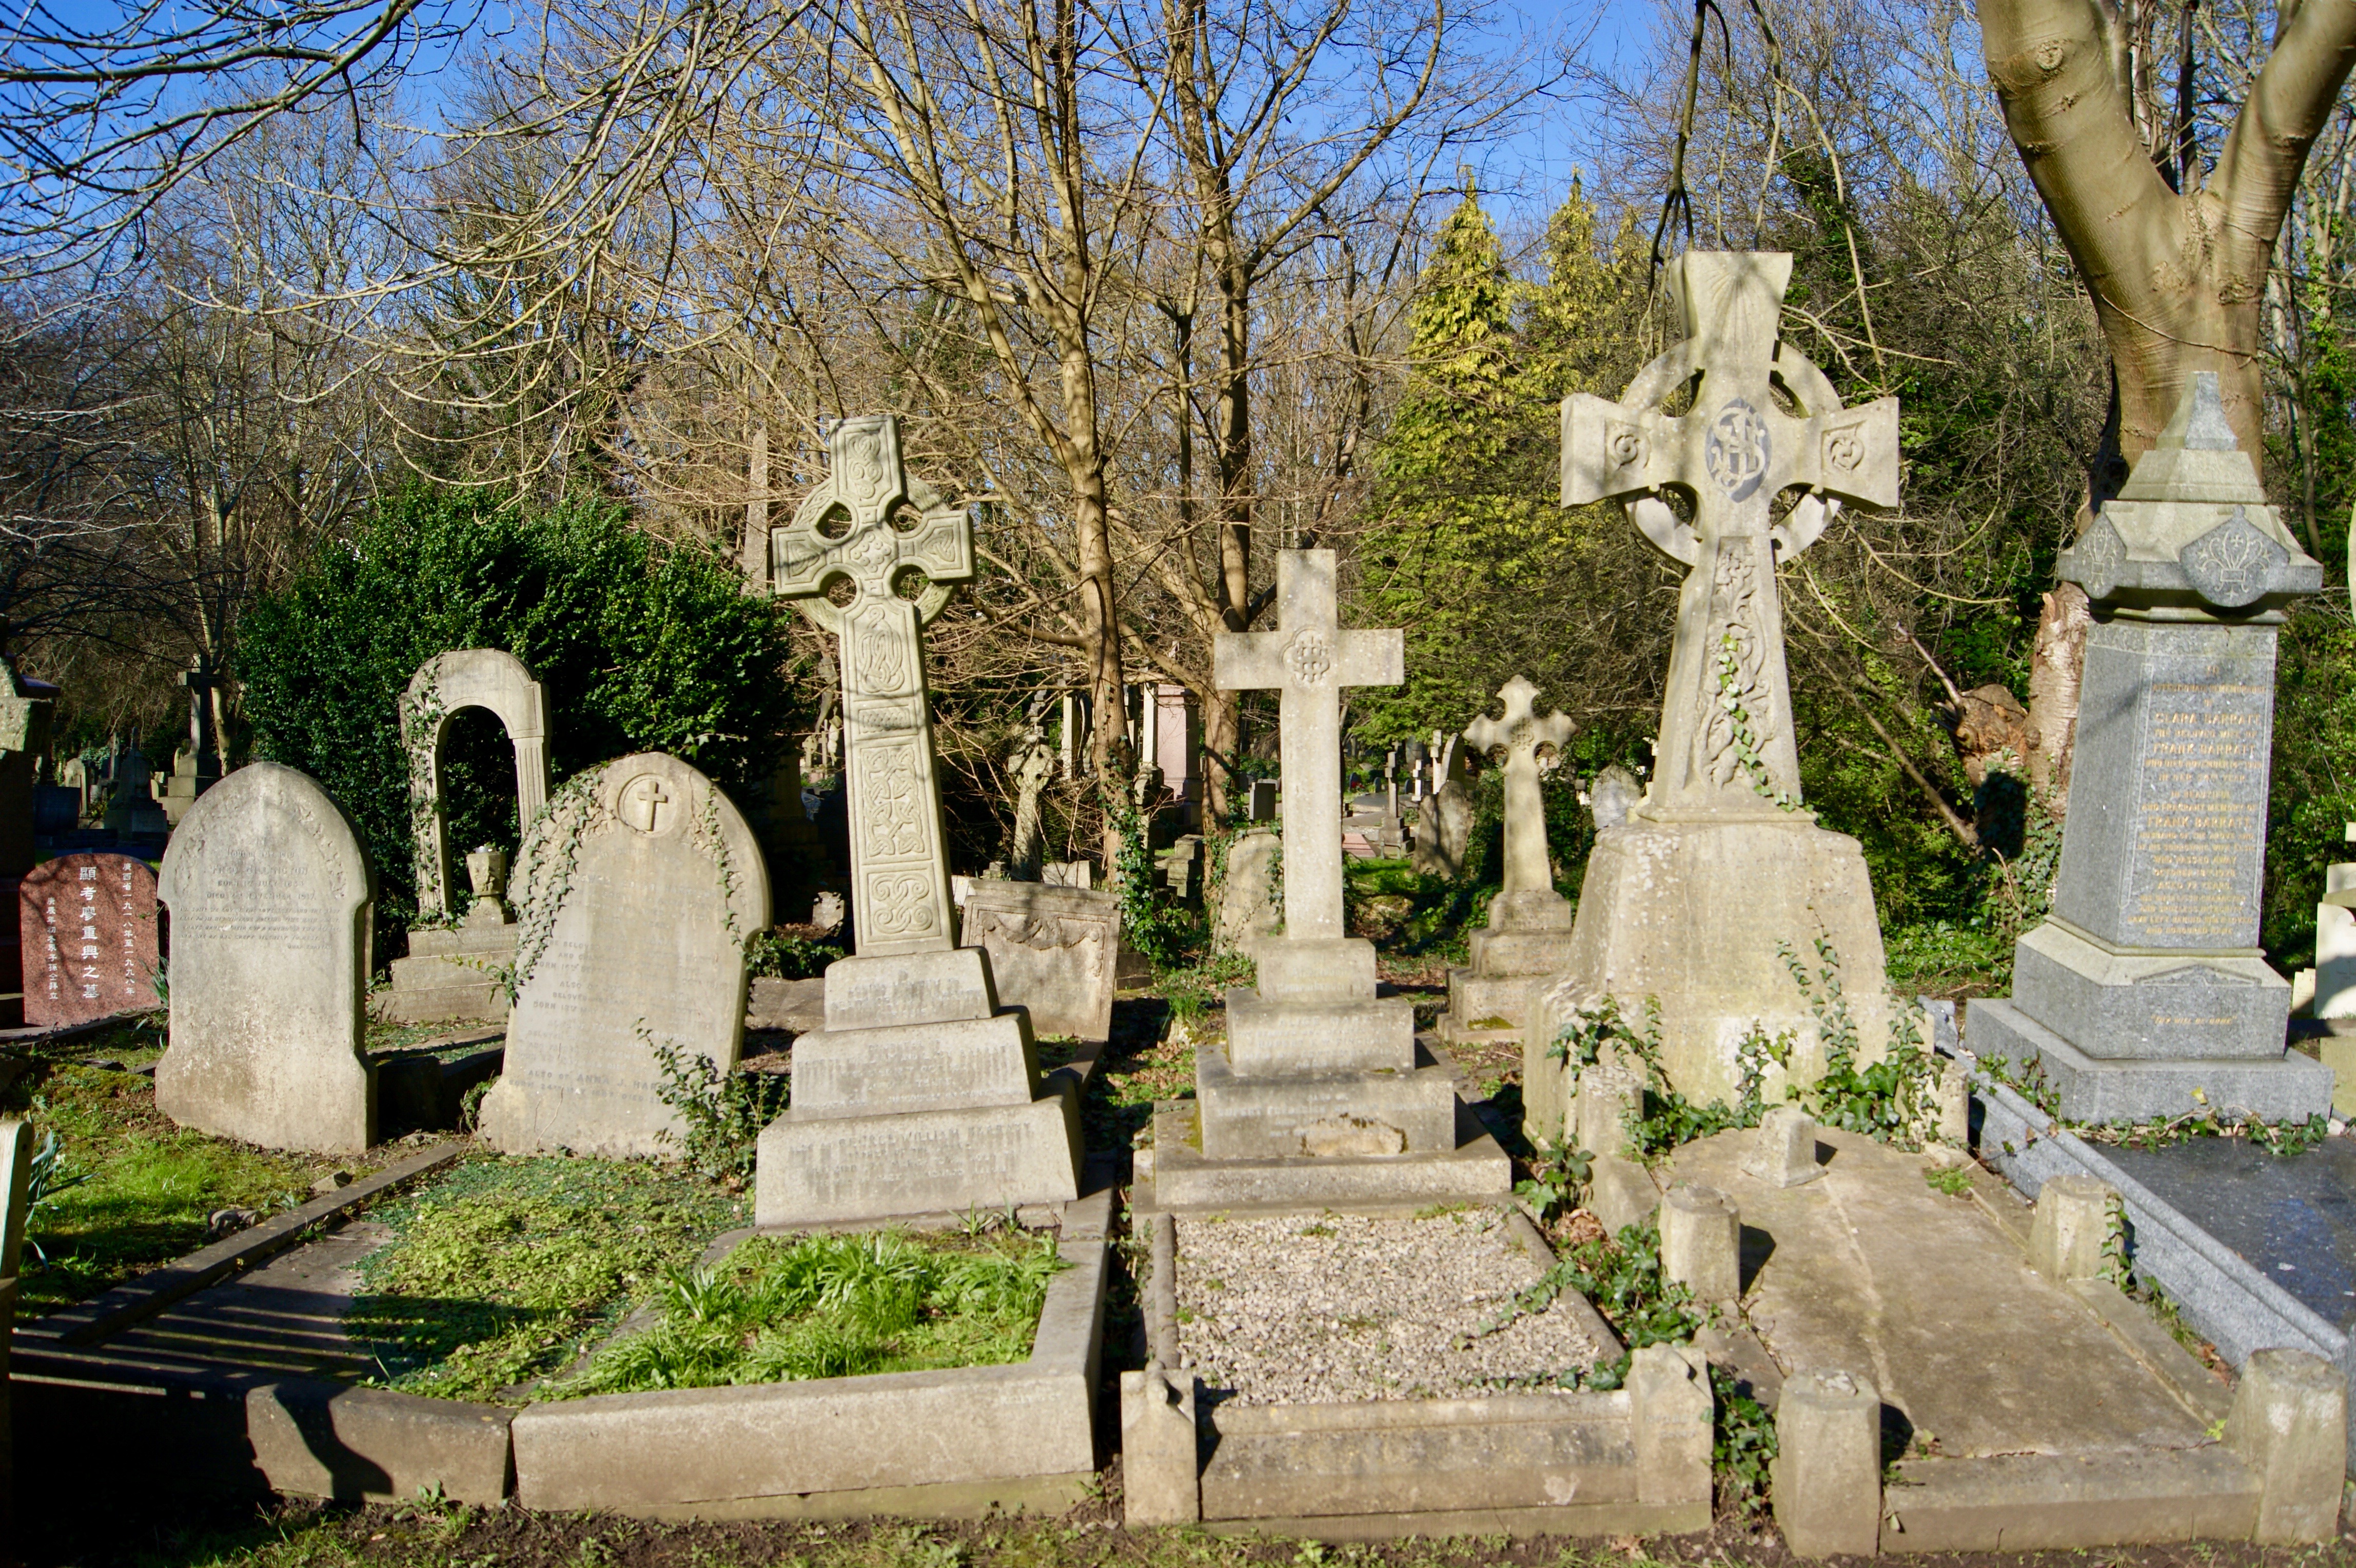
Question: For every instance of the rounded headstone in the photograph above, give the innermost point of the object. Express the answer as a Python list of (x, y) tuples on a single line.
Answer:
[(635, 895), (270, 900)]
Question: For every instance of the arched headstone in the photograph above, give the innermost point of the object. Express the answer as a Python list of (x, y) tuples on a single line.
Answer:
[(468, 677), (635, 894), (270, 897)]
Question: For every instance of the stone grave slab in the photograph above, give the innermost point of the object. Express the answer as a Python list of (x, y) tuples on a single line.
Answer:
[(88, 924), (1871, 1269), (270, 898), (2145, 992), (1687, 899), (1053, 952), (638, 890), (922, 1093), (1527, 936), (2292, 1217)]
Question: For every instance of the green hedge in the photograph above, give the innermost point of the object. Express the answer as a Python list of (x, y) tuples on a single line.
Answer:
[(642, 646)]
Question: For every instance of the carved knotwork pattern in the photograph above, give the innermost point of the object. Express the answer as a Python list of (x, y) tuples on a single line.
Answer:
[(1737, 449), (884, 650), (1310, 658), (894, 797), (902, 903)]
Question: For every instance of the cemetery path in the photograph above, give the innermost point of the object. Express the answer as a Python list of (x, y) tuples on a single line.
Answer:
[(1870, 1270), (284, 1316)]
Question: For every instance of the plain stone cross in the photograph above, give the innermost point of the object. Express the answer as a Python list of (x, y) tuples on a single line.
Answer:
[(1519, 734), (201, 683), (1726, 729), (1309, 658), (870, 526)]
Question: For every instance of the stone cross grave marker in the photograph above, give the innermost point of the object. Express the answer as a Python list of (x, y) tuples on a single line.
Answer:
[(1725, 730), (270, 897), (87, 925), (1518, 733), (870, 525), (1309, 658), (1034, 764)]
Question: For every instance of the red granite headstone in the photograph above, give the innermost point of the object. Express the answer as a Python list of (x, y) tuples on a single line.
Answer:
[(89, 938)]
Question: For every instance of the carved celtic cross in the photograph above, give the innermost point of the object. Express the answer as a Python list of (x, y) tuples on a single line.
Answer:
[(1764, 421), (870, 525)]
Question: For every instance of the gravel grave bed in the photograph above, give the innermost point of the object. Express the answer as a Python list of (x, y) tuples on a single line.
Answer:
[(1327, 1308)]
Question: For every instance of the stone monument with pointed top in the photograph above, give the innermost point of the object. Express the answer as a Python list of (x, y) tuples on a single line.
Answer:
[(1529, 934), (921, 1095), (1321, 1093), (1687, 900), (2145, 992)]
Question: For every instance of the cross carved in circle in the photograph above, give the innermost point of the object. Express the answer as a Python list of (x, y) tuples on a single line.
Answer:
[(643, 800)]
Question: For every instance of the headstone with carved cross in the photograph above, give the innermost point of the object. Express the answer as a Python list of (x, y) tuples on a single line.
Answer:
[(636, 894), (1528, 933), (1319, 1092), (922, 1094), (1691, 902), (2145, 985)]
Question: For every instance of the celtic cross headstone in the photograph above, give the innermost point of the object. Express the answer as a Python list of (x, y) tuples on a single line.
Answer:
[(872, 527), (1518, 733), (922, 1095), (1732, 454), (1726, 725)]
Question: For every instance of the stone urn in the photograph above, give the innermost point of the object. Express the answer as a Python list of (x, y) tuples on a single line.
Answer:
[(486, 873)]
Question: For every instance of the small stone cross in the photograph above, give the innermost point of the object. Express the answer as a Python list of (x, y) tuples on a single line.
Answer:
[(1725, 725), (1518, 733), (870, 525), (1309, 658), (201, 683), (1034, 764), (645, 801)]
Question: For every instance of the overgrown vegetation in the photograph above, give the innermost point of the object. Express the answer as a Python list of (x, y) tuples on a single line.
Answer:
[(784, 955), (505, 1270), (720, 1114), (1742, 1447), (124, 1188), (834, 1307), (1621, 1278)]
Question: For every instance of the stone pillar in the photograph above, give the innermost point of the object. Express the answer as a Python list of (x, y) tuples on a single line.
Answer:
[(2289, 1424), (1670, 1407), (1826, 1475), (1701, 1243), (1786, 1154), (2067, 1231), (1159, 1469)]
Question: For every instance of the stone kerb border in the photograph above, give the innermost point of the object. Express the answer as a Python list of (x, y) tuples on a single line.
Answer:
[(1635, 1461), (943, 1445), (2220, 1295), (947, 1443)]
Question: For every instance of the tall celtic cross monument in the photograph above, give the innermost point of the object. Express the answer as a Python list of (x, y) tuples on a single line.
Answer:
[(1320, 1094), (1689, 900), (921, 1095)]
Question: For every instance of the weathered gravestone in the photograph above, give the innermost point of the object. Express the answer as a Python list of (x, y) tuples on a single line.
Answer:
[(25, 707), (1053, 953), (1690, 898), (921, 1094), (89, 929), (1444, 823), (270, 900), (198, 768), (1247, 903), (1320, 1092), (636, 894), (1529, 934), (131, 807), (1034, 765), (2145, 992)]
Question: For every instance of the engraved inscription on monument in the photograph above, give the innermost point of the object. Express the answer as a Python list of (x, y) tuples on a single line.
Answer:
[(88, 925), (2196, 854)]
